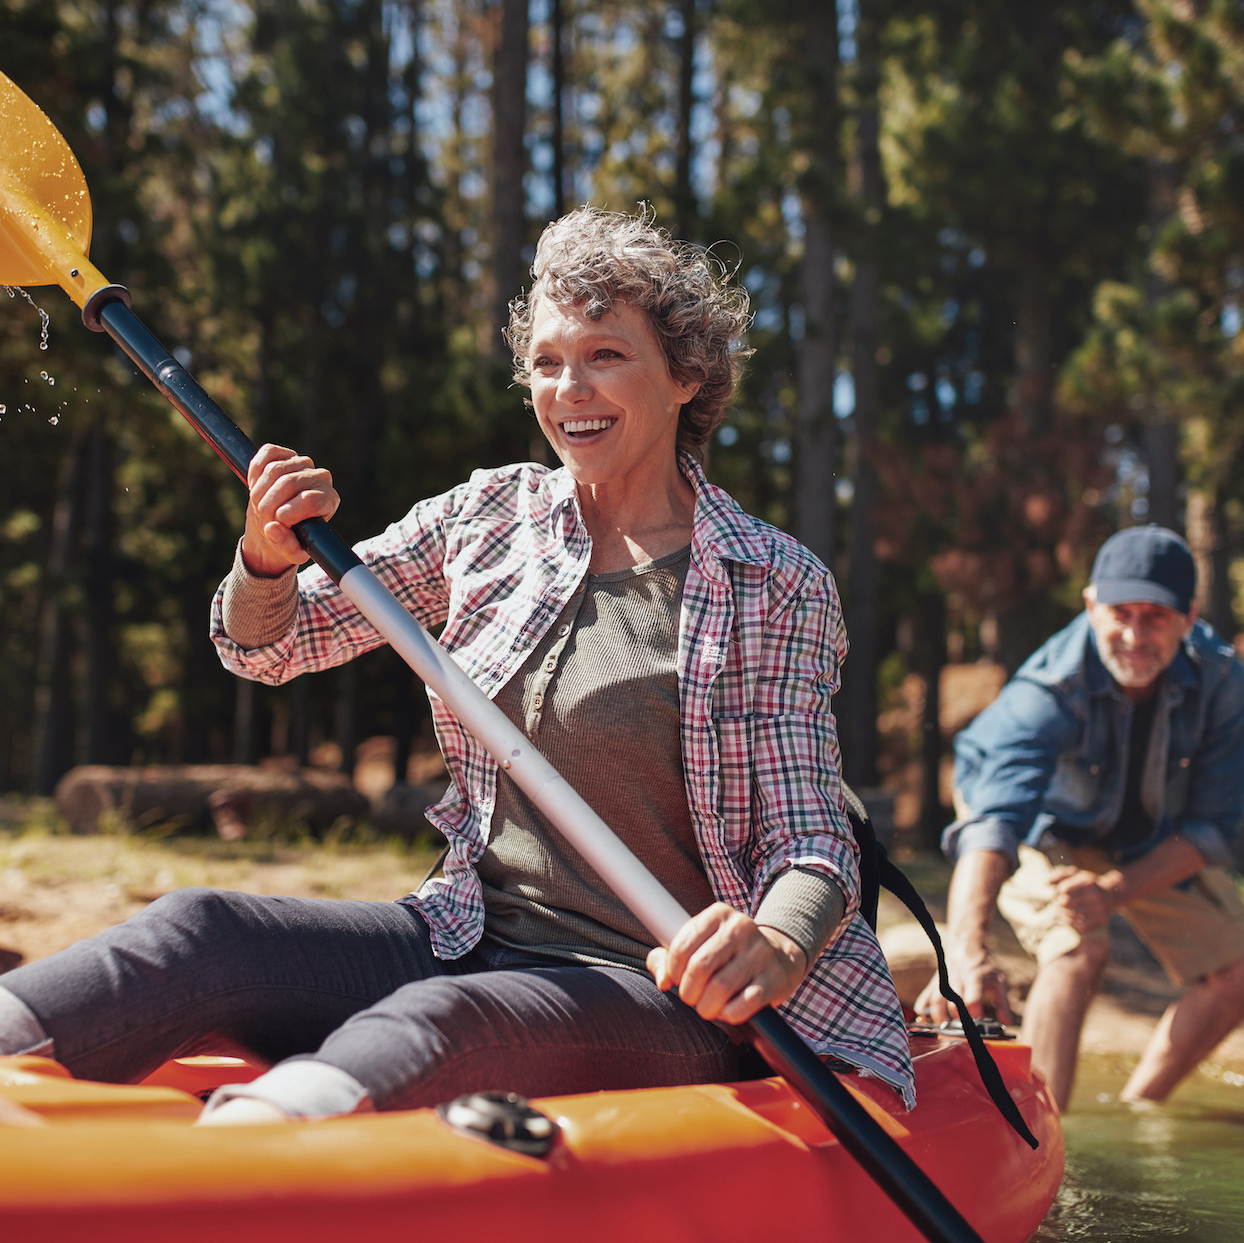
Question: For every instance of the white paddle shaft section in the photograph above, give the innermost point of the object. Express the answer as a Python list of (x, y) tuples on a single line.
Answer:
[(644, 895)]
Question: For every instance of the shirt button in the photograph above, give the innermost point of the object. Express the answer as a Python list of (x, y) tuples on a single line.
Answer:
[(1183, 763), (550, 665), (563, 630), (537, 700)]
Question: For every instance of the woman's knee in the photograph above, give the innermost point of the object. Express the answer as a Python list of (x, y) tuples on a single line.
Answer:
[(198, 907), (197, 920)]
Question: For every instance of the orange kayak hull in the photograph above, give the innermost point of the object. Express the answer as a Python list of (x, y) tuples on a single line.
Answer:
[(744, 1161)]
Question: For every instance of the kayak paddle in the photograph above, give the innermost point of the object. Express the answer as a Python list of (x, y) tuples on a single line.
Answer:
[(45, 232)]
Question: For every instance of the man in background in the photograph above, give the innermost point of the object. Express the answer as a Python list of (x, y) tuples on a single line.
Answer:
[(1107, 776)]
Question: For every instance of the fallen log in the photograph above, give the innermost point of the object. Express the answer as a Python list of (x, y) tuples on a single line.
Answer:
[(198, 794)]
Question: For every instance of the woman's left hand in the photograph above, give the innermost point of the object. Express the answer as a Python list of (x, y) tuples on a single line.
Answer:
[(728, 967)]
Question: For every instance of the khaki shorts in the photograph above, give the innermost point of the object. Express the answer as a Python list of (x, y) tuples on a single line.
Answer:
[(1192, 931)]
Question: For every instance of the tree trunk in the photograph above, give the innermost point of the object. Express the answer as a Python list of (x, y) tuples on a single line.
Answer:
[(244, 721), (859, 694), (1210, 551), (932, 645), (558, 73), (105, 734), (1021, 626), (818, 352), (1034, 310), (300, 706), (200, 671), (684, 201), (509, 116), (344, 732), (405, 720), (1160, 433), (52, 727), (1159, 441)]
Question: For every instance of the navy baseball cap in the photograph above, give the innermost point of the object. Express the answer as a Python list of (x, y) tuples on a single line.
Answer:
[(1145, 565)]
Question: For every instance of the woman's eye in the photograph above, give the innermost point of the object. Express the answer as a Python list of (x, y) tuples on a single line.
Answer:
[(607, 354)]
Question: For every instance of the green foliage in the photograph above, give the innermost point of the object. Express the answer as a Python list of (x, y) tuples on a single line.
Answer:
[(299, 197)]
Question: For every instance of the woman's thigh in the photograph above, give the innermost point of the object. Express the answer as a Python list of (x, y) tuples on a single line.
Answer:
[(274, 974), (541, 1031)]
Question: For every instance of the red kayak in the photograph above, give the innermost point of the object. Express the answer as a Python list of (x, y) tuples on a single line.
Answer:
[(83, 1161)]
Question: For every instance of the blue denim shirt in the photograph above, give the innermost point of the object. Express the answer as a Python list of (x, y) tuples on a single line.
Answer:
[(1050, 753)]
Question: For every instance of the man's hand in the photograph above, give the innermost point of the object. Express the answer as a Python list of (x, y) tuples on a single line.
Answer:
[(1085, 900), (284, 489), (970, 907), (978, 980), (728, 967)]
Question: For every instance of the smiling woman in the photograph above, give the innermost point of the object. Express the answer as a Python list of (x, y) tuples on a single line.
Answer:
[(629, 344), (604, 397), (593, 261), (671, 656)]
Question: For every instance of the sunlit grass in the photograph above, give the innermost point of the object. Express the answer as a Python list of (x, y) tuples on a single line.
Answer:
[(56, 887)]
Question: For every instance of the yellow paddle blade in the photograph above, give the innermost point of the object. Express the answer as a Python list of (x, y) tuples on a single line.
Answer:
[(45, 208)]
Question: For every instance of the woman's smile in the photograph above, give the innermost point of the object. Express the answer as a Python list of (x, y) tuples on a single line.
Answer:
[(583, 428)]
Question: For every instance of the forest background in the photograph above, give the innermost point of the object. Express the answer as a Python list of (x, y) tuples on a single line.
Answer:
[(995, 253)]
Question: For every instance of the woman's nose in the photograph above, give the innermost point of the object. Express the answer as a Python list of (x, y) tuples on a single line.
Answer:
[(571, 386)]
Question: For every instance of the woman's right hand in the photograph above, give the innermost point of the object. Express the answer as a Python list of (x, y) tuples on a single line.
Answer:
[(284, 489)]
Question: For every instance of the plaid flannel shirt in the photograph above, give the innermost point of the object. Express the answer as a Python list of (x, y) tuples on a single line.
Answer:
[(760, 644)]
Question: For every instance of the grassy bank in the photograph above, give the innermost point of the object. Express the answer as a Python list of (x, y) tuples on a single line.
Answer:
[(56, 888)]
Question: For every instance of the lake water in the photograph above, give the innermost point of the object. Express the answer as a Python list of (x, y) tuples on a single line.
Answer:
[(1173, 1171)]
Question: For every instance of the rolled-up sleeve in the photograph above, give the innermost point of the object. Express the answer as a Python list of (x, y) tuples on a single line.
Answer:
[(325, 629), (1004, 762)]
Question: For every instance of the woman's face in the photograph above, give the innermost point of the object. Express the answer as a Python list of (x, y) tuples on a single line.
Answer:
[(603, 394)]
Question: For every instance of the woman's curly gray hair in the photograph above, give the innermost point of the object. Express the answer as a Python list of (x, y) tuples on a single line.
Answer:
[(593, 259)]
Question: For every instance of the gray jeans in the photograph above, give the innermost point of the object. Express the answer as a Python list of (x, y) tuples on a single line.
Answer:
[(355, 985)]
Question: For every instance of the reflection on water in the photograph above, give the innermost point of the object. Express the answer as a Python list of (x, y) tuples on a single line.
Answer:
[(1173, 1171)]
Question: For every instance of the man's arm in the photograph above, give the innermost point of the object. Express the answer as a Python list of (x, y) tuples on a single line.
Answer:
[(1086, 900), (1009, 754), (978, 877)]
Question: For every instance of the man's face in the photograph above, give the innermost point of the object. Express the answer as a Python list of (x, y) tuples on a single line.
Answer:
[(1136, 642)]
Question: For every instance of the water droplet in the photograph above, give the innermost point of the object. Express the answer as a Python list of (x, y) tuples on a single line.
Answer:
[(43, 315), (43, 375), (54, 419), (51, 379), (4, 409)]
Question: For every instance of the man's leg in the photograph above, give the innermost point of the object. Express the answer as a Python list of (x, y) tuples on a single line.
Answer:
[(1055, 1010), (1196, 931), (1189, 1031)]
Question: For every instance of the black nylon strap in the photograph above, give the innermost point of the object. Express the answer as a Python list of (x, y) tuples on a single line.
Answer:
[(905, 892), (876, 871)]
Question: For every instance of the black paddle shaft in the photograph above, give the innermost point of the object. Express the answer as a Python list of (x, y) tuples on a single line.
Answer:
[(911, 1189), (329, 551), (858, 1132)]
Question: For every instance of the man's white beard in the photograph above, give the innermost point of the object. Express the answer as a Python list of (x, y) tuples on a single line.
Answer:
[(1137, 672)]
